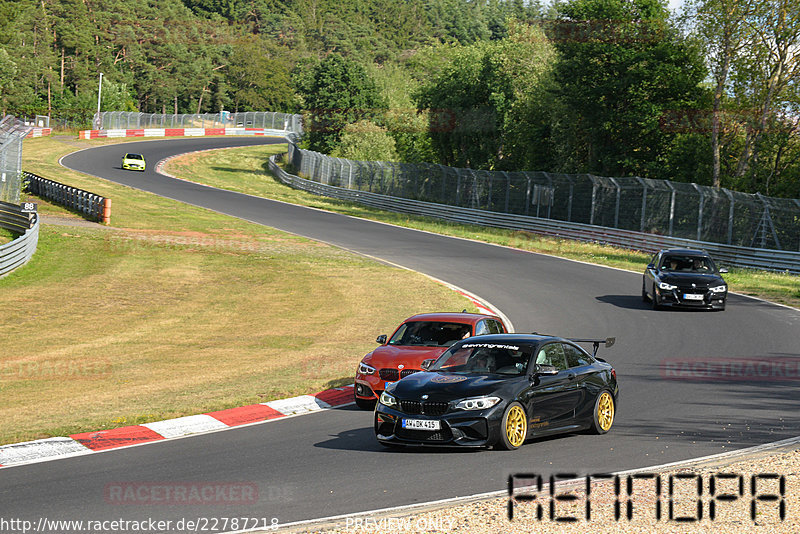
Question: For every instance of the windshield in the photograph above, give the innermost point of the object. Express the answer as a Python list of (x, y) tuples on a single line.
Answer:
[(485, 358), (430, 333), (133, 156), (688, 264)]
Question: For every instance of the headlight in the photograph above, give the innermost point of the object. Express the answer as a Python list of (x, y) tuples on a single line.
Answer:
[(365, 369), (388, 400), (477, 403), (666, 287), (719, 289)]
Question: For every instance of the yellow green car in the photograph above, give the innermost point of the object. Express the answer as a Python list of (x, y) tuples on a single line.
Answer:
[(133, 162)]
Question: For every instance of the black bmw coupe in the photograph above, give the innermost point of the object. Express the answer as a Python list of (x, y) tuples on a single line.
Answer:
[(499, 390), (686, 278)]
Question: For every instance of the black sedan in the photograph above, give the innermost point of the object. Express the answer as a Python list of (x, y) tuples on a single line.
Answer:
[(686, 278), (499, 390)]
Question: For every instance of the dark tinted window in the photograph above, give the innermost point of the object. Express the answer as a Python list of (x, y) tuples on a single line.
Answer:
[(689, 264), (552, 354), (485, 358), (575, 356), (429, 333), (494, 327), (482, 328)]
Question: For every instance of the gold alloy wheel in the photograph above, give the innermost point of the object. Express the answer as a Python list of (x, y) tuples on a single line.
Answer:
[(605, 411), (516, 426)]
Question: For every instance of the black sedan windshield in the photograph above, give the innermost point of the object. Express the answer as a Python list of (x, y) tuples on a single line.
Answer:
[(688, 264), (485, 358)]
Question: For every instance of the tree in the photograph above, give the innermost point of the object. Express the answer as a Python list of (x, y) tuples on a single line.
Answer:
[(337, 92), (768, 72), (366, 141), (474, 100), (621, 68), (725, 29), (258, 73)]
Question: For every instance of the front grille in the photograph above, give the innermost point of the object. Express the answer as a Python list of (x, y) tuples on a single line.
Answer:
[(389, 374), (424, 408), (392, 375)]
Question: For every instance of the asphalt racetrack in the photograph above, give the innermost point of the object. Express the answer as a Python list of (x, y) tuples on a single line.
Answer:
[(329, 463)]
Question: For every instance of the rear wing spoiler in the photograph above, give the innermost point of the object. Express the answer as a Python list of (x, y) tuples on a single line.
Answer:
[(608, 342)]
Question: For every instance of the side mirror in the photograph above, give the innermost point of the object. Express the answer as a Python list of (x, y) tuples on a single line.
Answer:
[(651, 265), (544, 370), (381, 339), (427, 363)]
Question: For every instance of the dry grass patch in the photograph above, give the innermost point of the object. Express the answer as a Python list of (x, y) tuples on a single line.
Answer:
[(176, 310)]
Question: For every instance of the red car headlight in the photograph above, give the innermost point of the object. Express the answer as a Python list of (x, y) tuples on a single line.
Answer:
[(365, 369)]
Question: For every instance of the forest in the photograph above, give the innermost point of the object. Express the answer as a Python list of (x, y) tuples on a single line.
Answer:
[(708, 95)]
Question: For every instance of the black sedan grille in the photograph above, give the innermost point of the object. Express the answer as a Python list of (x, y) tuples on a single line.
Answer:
[(392, 375), (424, 408)]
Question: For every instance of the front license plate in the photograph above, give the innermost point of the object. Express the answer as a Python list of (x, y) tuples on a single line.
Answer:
[(422, 424), (692, 296)]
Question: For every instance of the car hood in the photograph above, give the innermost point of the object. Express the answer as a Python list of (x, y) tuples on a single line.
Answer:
[(701, 279), (388, 356), (447, 386)]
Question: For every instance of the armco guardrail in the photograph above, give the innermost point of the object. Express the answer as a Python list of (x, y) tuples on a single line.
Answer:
[(772, 260), (93, 207), (19, 251)]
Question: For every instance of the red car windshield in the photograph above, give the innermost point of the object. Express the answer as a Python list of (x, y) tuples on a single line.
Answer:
[(485, 358), (430, 334)]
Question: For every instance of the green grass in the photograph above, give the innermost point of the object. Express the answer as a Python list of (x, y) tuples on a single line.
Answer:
[(245, 170), (6, 236), (175, 310)]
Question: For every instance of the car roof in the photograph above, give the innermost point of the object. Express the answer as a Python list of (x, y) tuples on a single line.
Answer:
[(516, 338), (132, 154), (685, 251), (451, 317)]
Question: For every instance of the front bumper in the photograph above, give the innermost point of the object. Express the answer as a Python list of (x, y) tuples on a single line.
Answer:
[(472, 429), (677, 298), (369, 387)]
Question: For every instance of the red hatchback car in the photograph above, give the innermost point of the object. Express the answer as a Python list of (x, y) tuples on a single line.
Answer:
[(421, 337)]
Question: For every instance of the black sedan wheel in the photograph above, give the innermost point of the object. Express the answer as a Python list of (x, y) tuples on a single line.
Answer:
[(645, 298), (604, 411), (514, 428), (655, 299)]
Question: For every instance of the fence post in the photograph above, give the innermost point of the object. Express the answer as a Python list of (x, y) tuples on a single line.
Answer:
[(730, 215), (700, 211), (671, 206), (644, 203)]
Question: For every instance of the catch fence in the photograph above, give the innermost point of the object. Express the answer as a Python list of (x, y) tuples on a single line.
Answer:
[(12, 132), (127, 120), (658, 207)]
